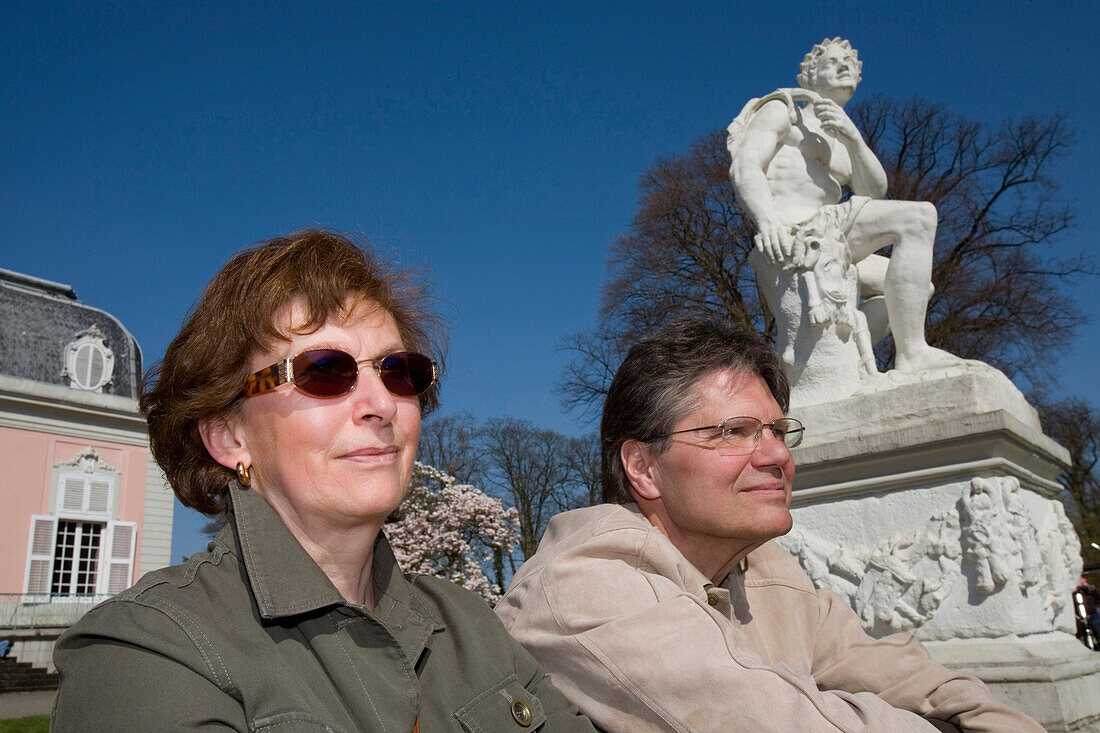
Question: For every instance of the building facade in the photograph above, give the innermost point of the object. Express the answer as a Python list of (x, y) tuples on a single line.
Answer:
[(86, 509)]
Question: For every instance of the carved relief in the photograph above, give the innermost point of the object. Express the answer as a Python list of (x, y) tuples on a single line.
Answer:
[(88, 461), (987, 537), (1023, 531), (895, 586), (899, 583), (1060, 550)]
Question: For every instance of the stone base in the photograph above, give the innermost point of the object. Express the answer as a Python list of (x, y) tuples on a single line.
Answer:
[(901, 431), (926, 501), (1053, 677)]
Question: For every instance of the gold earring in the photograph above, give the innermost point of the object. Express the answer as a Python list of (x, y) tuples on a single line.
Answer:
[(243, 475)]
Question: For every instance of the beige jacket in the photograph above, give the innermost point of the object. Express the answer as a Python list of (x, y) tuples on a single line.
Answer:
[(640, 640)]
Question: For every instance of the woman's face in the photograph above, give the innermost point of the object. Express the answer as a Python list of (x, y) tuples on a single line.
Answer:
[(337, 462)]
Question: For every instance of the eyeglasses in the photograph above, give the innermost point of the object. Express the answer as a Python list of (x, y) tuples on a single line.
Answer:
[(331, 373), (743, 433)]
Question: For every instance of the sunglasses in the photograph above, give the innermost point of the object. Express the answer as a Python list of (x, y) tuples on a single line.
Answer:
[(332, 373)]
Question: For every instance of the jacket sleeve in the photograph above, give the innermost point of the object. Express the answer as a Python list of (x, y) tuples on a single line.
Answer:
[(561, 714), (468, 617), (637, 652), (900, 671), (146, 678)]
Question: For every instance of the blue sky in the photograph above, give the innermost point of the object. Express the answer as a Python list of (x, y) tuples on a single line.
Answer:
[(497, 146)]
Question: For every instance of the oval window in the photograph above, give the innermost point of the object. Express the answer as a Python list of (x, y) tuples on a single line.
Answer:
[(88, 362)]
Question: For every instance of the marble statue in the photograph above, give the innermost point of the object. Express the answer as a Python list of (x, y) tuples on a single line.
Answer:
[(926, 495), (794, 154)]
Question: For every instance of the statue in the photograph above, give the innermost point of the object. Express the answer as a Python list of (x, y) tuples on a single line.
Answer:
[(794, 153)]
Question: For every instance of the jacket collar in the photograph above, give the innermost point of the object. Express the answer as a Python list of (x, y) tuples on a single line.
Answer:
[(285, 580), (691, 576), (407, 616)]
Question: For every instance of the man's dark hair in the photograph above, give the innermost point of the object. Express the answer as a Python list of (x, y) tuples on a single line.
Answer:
[(652, 390)]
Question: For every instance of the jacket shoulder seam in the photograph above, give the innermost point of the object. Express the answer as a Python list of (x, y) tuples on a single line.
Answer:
[(206, 649)]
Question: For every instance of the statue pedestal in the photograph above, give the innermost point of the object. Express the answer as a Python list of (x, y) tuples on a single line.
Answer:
[(1053, 678), (926, 502)]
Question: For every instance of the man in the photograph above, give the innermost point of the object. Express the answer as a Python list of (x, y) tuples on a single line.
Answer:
[(667, 608), (790, 167)]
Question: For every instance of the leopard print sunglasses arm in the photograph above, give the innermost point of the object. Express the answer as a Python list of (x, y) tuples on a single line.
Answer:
[(268, 378)]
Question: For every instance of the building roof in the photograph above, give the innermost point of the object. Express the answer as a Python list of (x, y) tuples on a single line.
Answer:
[(41, 320)]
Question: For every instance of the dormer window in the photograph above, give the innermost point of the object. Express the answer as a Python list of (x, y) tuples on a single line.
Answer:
[(89, 364)]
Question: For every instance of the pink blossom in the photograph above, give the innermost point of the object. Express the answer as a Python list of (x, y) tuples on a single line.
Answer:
[(452, 531)]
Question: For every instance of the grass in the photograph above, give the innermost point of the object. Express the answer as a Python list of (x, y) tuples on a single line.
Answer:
[(33, 724)]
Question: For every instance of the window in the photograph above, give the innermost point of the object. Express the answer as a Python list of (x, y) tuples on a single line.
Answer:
[(80, 548), (76, 558), (89, 364), (68, 557)]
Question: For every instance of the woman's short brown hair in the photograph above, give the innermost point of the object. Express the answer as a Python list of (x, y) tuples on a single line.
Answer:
[(204, 368)]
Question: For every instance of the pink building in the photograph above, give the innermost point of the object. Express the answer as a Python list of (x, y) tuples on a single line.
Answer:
[(86, 510)]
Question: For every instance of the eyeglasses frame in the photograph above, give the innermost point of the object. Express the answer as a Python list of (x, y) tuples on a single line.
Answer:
[(759, 433)]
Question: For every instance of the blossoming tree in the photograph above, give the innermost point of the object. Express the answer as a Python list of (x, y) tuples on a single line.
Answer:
[(452, 531)]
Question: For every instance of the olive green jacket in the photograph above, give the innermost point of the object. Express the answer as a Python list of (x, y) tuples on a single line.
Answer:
[(251, 635)]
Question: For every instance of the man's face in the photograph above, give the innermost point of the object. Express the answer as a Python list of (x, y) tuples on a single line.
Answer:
[(835, 69), (718, 502)]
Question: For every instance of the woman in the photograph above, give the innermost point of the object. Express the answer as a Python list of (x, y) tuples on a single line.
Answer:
[(291, 399)]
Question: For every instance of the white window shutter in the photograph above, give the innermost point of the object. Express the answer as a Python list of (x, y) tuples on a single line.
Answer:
[(99, 497), (72, 493), (40, 547), (117, 566)]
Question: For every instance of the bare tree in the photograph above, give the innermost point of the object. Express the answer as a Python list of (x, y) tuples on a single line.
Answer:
[(453, 445), (1076, 425), (585, 481), (998, 281), (527, 465), (539, 472), (998, 278), (686, 251)]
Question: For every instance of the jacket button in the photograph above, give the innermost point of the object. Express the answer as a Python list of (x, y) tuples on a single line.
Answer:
[(521, 713)]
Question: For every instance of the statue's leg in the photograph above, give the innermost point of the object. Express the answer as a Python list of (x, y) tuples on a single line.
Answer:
[(872, 275), (867, 365), (872, 281), (910, 226)]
